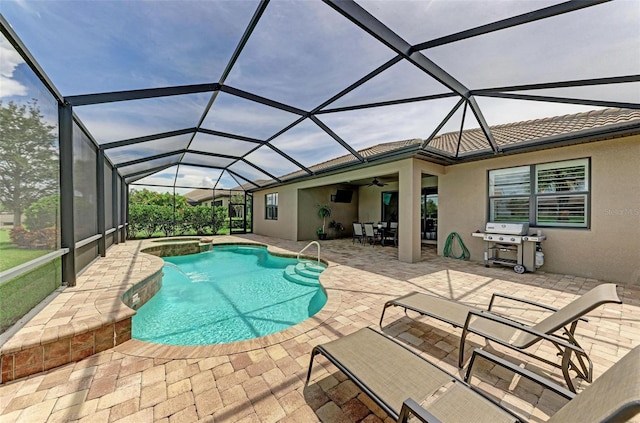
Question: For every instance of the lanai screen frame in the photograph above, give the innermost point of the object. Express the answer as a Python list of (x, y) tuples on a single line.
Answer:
[(356, 14)]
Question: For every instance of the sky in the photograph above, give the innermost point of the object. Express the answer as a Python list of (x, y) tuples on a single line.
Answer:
[(302, 53)]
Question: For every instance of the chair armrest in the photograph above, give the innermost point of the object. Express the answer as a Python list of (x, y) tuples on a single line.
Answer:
[(410, 407), (524, 300), (517, 325), (521, 300), (545, 383)]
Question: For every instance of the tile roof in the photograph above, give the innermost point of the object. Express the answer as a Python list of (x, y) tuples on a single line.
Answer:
[(473, 140), (366, 153), (202, 194)]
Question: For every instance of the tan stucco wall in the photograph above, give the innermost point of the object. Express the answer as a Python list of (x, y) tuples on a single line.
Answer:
[(311, 199), (285, 227), (298, 202), (609, 250)]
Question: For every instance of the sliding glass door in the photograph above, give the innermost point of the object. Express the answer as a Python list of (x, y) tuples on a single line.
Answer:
[(429, 213)]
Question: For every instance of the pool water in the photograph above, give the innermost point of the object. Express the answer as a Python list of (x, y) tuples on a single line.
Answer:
[(228, 294)]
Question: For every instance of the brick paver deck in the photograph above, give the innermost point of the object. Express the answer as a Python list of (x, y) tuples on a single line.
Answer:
[(263, 380)]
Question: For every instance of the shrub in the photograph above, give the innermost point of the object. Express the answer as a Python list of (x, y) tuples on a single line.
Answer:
[(43, 239), (197, 218), (219, 220), (42, 214)]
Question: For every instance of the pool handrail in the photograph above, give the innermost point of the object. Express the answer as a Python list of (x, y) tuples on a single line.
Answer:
[(309, 245)]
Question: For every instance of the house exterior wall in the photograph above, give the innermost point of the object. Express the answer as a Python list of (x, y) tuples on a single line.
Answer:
[(298, 202), (209, 202), (285, 227), (309, 201), (608, 250)]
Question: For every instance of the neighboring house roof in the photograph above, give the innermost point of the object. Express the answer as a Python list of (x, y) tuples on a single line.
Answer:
[(198, 195), (203, 194)]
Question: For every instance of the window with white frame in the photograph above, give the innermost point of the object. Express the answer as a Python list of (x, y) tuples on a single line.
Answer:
[(271, 206), (548, 194)]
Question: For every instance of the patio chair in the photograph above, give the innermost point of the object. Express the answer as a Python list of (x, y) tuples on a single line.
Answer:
[(370, 234), (391, 234), (516, 335), (357, 233), (403, 384)]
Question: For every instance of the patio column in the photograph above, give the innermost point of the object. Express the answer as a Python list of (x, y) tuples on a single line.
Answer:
[(409, 185), (67, 234), (102, 245), (124, 209), (115, 201)]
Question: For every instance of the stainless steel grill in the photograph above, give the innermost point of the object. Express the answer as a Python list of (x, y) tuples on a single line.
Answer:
[(509, 244)]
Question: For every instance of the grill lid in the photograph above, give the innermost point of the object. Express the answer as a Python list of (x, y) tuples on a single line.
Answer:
[(507, 228)]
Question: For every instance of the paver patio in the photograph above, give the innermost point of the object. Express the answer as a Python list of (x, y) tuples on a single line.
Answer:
[(263, 381)]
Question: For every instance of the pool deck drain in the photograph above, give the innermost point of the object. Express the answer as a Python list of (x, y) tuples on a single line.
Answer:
[(255, 381)]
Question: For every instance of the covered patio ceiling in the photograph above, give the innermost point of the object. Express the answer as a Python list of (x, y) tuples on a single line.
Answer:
[(222, 94)]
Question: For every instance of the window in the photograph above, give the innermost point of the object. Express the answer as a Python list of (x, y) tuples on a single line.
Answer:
[(549, 194), (271, 206), (217, 203)]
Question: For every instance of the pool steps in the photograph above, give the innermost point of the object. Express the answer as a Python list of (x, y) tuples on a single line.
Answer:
[(303, 273)]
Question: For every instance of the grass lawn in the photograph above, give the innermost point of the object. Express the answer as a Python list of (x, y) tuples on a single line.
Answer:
[(11, 256)]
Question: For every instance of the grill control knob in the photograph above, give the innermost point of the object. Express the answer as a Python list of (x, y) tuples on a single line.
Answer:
[(501, 239), (513, 239), (489, 237)]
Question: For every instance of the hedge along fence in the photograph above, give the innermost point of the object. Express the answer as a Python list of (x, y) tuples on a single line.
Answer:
[(148, 219), (24, 292)]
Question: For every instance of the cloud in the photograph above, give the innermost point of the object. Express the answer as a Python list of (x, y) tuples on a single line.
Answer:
[(9, 86), (111, 46), (272, 162), (553, 49), (243, 117), (308, 144), (302, 53), (188, 176), (326, 54), (368, 127), (130, 119)]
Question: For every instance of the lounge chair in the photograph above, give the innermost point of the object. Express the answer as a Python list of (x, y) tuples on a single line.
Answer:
[(403, 384), (513, 334), (390, 373)]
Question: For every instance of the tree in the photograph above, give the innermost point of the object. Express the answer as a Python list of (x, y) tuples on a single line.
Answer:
[(29, 165)]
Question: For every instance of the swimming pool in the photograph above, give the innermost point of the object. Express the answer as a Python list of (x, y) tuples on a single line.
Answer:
[(228, 294)]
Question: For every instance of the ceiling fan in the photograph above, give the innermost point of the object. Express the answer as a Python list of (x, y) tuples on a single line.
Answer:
[(376, 182)]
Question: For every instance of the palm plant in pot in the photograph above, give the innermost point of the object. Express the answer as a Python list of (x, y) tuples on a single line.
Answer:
[(324, 211)]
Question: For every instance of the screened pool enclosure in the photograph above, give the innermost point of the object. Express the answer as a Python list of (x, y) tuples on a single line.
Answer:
[(98, 98)]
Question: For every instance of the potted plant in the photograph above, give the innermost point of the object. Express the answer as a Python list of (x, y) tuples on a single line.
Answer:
[(324, 211), (336, 227)]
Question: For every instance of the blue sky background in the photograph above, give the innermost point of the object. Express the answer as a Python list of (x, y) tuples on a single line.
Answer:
[(302, 53)]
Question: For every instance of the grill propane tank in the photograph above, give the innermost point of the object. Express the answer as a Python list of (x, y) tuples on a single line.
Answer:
[(539, 256)]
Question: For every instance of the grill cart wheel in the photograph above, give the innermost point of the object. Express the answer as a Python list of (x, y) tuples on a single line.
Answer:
[(518, 268)]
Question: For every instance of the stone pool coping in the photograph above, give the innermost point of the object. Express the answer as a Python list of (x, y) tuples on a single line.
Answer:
[(93, 317)]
